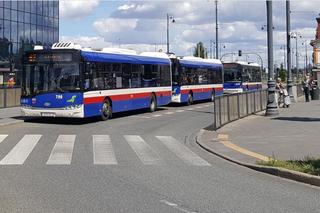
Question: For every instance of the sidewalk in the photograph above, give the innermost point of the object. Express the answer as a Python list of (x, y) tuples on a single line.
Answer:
[(10, 116), (294, 134)]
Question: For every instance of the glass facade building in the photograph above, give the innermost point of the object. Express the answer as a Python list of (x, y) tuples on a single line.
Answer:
[(24, 24)]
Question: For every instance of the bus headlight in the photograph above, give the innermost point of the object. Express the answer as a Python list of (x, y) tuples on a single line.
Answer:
[(72, 107)]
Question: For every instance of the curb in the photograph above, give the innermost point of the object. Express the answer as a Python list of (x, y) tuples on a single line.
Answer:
[(280, 172)]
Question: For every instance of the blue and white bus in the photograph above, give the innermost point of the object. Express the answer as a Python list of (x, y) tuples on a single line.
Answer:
[(69, 81), (241, 76), (196, 79)]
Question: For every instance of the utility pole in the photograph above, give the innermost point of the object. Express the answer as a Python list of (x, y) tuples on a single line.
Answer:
[(168, 33), (217, 31), (289, 77), (272, 106)]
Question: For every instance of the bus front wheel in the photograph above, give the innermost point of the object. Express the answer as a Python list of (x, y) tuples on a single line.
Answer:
[(153, 104), (106, 112)]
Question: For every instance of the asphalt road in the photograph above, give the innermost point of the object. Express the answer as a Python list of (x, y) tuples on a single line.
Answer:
[(136, 162)]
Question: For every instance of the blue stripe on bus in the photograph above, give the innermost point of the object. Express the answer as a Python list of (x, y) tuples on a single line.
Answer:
[(124, 105), (121, 58)]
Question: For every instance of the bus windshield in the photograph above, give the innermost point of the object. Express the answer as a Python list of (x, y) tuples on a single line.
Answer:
[(232, 74), (51, 77)]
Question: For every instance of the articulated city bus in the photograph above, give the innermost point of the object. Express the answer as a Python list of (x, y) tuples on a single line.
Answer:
[(241, 76), (69, 81), (196, 79)]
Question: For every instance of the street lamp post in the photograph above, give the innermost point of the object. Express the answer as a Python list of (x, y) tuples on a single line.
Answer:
[(217, 31), (168, 36), (272, 107), (305, 43), (289, 77), (296, 35)]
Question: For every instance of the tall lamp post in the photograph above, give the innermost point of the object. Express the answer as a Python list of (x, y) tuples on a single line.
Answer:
[(296, 35), (289, 77), (217, 31), (272, 108), (305, 43), (169, 18)]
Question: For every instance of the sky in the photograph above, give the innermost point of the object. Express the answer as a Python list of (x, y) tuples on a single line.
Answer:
[(141, 25)]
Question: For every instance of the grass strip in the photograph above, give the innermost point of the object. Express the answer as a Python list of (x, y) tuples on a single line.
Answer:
[(307, 165)]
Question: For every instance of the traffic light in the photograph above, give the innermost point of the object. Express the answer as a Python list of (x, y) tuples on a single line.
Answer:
[(240, 53)]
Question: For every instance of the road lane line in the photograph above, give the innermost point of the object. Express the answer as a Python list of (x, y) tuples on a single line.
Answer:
[(183, 152), (199, 107), (168, 113), (190, 109), (21, 151), (224, 139), (103, 153), (180, 110), (156, 116), (2, 137), (143, 150), (207, 105), (61, 153)]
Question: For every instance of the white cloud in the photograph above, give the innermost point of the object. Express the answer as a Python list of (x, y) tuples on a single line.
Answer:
[(141, 25), (113, 25), (75, 9), (86, 41)]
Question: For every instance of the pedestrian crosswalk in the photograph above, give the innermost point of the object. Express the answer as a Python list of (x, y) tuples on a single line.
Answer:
[(153, 150)]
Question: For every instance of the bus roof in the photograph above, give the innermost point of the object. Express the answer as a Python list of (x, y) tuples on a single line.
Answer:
[(123, 58), (190, 61), (244, 63)]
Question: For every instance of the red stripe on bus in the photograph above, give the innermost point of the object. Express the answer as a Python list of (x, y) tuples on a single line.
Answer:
[(124, 97), (201, 90)]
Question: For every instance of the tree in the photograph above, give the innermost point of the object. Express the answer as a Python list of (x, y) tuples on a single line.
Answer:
[(200, 51)]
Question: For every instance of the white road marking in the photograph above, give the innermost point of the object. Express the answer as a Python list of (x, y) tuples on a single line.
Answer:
[(169, 113), (208, 105), (61, 153), (143, 150), (19, 153), (2, 137), (103, 153), (199, 107), (156, 116), (190, 109), (139, 116), (180, 110), (176, 206), (181, 151)]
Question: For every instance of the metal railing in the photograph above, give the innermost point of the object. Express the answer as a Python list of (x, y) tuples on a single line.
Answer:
[(9, 97), (300, 90), (228, 108)]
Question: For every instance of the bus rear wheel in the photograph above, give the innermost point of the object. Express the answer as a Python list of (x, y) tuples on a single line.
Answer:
[(153, 104), (190, 99), (106, 111)]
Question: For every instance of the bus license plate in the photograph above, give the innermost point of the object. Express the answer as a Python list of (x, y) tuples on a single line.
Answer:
[(48, 114)]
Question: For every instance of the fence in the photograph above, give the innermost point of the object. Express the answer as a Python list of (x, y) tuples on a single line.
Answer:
[(300, 90), (228, 108), (10, 97)]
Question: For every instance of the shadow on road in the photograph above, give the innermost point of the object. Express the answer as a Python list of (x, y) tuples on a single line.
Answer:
[(300, 119), (83, 121)]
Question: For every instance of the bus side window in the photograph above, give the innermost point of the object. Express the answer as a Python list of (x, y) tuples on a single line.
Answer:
[(136, 76), (126, 75), (87, 76)]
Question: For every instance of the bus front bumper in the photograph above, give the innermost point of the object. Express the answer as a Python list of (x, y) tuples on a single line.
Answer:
[(73, 112)]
